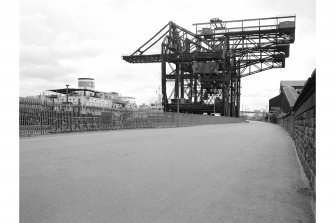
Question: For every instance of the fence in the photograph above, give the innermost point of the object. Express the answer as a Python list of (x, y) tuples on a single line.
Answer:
[(300, 123), (39, 117)]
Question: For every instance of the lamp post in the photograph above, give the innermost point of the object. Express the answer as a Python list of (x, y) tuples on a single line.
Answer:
[(214, 106), (178, 104), (67, 93), (245, 111), (178, 73)]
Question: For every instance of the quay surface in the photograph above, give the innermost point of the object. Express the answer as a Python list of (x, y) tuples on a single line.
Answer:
[(243, 172)]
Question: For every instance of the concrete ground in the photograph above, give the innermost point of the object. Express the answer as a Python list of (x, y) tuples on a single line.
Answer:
[(245, 172)]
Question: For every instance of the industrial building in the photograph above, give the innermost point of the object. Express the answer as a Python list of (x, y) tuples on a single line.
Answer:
[(288, 94)]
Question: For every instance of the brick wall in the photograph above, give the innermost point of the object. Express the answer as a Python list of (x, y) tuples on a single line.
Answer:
[(300, 124)]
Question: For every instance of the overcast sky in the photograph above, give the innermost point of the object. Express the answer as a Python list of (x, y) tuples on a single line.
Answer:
[(66, 39)]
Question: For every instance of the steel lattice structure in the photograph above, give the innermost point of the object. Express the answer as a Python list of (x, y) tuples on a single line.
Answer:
[(207, 66)]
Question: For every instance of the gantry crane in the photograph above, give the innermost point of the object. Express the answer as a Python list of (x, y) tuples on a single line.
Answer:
[(207, 66)]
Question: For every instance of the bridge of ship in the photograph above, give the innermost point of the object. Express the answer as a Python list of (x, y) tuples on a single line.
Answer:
[(204, 69)]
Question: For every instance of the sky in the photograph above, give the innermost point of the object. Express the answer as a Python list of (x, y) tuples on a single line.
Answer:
[(63, 40)]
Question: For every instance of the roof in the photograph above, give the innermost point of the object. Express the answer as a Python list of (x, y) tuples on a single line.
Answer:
[(298, 83), (86, 78), (308, 89), (290, 94), (69, 90)]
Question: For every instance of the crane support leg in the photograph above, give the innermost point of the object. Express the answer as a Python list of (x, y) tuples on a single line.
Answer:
[(176, 86), (164, 98)]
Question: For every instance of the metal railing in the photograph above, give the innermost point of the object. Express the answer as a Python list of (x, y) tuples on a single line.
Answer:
[(39, 117)]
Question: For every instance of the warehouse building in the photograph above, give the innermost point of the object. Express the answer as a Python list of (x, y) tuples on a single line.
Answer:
[(288, 94)]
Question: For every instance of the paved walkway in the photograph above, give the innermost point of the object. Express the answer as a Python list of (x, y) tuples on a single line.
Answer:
[(245, 172)]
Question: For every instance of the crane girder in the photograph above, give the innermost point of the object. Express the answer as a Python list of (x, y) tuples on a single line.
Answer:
[(214, 58)]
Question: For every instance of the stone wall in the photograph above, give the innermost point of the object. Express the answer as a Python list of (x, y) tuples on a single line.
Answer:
[(300, 123)]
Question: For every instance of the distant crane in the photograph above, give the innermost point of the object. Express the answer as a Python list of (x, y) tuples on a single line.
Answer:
[(208, 65)]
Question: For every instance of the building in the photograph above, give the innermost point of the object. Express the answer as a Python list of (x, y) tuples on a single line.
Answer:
[(288, 94), (88, 98), (300, 123), (155, 106)]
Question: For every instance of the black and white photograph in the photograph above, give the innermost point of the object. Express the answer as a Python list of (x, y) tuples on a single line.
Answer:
[(147, 111)]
